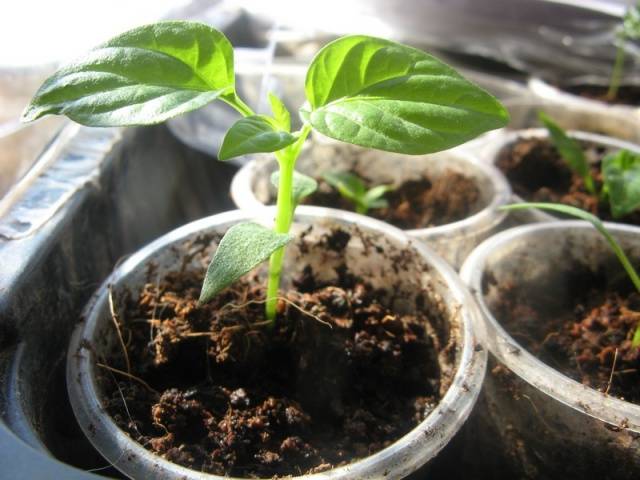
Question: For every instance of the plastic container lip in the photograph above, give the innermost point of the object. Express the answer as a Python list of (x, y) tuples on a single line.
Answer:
[(489, 216), (415, 448), (496, 143), (509, 352), (547, 91)]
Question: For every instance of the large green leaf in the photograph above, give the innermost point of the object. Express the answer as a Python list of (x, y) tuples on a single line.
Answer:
[(144, 76), (380, 94), (243, 247), (621, 174), (254, 134), (303, 186)]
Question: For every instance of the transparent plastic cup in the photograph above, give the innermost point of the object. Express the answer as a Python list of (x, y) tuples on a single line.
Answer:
[(544, 90), (494, 145), (371, 251), (548, 425), (251, 188)]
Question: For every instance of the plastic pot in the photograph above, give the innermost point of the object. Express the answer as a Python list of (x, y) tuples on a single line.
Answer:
[(524, 114), (426, 274), (548, 423), (551, 93), (251, 188), (505, 138)]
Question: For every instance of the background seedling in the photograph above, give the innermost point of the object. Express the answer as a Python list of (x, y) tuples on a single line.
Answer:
[(595, 221), (630, 29), (362, 90), (620, 170), (353, 188)]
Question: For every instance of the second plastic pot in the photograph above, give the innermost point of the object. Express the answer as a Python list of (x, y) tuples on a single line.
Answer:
[(547, 423), (251, 188)]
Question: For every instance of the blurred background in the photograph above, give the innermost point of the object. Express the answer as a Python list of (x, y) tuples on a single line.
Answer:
[(74, 201), (547, 38)]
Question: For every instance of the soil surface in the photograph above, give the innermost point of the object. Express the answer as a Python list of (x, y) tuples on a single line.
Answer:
[(338, 377), (538, 173), (582, 328), (416, 203), (627, 94)]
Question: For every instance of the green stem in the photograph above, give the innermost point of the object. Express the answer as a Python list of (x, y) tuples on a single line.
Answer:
[(595, 221), (361, 208), (616, 73), (285, 208), (236, 102)]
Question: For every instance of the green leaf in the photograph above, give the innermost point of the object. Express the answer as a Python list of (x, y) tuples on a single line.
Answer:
[(631, 22), (635, 342), (595, 221), (242, 248), (303, 186), (621, 175), (348, 184), (144, 76), (280, 113), (380, 94), (569, 150), (254, 134), (376, 193)]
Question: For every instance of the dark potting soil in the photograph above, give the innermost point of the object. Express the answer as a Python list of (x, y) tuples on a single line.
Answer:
[(416, 203), (338, 377), (627, 94), (537, 173), (582, 328)]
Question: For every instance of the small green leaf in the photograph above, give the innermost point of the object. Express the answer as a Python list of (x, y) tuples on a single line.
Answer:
[(595, 221), (569, 150), (631, 22), (621, 175), (254, 134), (243, 247), (348, 184), (380, 94), (373, 198), (143, 76), (280, 113), (303, 186), (635, 342)]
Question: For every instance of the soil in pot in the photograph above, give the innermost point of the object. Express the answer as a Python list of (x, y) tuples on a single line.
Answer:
[(582, 328), (417, 203), (339, 376), (538, 173), (627, 94)]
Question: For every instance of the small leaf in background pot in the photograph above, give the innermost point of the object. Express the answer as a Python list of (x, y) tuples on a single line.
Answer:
[(353, 188), (303, 186), (380, 94), (569, 150), (243, 247), (143, 76), (348, 184), (631, 22), (621, 174), (254, 134), (373, 198)]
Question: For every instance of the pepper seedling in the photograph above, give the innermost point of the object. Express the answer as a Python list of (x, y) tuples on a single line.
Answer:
[(360, 89), (354, 189), (599, 226), (620, 170), (629, 30)]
